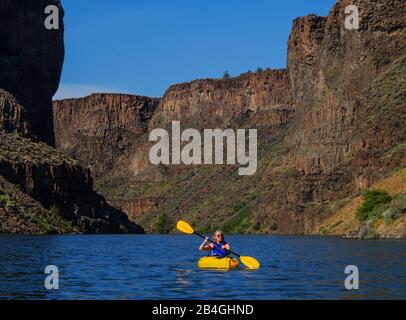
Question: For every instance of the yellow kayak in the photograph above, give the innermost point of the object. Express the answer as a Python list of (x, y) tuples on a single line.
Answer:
[(226, 263)]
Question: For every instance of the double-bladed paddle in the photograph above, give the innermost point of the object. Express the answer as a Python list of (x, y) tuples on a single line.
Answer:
[(185, 227)]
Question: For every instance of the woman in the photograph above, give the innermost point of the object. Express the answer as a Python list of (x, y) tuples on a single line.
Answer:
[(219, 249)]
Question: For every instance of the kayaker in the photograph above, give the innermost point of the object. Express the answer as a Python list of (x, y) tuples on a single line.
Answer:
[(219, 249)]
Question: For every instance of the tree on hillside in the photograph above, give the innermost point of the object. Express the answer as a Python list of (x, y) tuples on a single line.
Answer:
[(226, 75)]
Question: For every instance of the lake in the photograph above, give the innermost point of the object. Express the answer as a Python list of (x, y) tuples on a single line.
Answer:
[(165, 267)]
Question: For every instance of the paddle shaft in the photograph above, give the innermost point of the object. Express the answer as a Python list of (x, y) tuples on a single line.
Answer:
[(211, 241)]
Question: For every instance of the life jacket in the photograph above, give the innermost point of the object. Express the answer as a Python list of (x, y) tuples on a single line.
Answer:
[(217, 251)]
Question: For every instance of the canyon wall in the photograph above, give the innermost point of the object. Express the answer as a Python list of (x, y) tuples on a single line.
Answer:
[(55, 180), (214, 103), (350, 90), (329, 126), (41, 190), (31, 59), (259, 100), (99, 128), (331, 70)]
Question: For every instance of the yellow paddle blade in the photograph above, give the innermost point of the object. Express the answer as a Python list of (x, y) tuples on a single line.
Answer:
[(184, 227), (250, 262)]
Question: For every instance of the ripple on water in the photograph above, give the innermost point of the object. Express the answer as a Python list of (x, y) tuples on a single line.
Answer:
[(154, 267)]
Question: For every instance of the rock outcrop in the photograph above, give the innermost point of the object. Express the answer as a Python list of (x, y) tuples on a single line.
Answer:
[(331, 70), (99, 128), (329, 126), (41, 190), (214, 103), (113, 137), (12, 115), (256, 100), (348, 87), (19, 213), (55, 180), (31, 59)]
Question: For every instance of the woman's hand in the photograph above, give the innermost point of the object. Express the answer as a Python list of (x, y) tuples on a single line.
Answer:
[(204, 245)]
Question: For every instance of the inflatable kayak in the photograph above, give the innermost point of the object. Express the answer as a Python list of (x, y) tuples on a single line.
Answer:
[(218, 263)]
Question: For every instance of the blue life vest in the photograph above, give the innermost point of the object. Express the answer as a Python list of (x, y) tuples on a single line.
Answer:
[(217, 251)]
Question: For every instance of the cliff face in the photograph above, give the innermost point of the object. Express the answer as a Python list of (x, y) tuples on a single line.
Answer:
[(55, 180), (41, 190), (99, 128), (31, 60), (110, 132), (19, 213), (349, 87), (12, 115), (330, 126), (253, 100), (331, 70), (213, 103)]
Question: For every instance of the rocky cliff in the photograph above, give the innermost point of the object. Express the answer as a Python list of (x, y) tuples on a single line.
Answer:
[(329, 127), (350, 89), (13, 116), (19, 213), (31, 60), (261, 100), (99, 128), (41, 190), (214, 103), (115, 133), (331, 72), (55, 180)]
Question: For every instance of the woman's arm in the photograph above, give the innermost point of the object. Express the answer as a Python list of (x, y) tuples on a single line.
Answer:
[(204, 245)]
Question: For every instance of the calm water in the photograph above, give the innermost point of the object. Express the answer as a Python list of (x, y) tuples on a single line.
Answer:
[(164, 267)]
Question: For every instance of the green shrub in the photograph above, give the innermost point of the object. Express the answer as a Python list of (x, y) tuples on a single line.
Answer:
[(55, 211), (226, 75), (161, 223), (377, 212), (6, 201), (385, 61), (257, 226), (240, 221), (259, 69), (396, 209), (372, 234), (391, 214), (337, 205), (373, 202), (399, 202)]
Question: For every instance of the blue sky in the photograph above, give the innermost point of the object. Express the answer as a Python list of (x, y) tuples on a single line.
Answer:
[(144, 46)]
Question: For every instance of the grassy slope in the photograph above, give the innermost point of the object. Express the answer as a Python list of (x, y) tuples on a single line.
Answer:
[(386, 98), (19, 213), (14, 148), (207, 196), (344, 220)]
